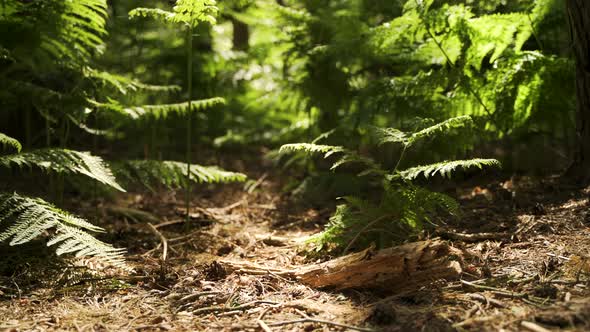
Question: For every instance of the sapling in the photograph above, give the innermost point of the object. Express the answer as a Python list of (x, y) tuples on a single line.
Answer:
[(188, 13)]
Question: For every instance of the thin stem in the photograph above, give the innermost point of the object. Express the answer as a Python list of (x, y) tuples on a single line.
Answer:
[(189, 116), (535, 35), (401, 156), (451, 63), (48, 145)]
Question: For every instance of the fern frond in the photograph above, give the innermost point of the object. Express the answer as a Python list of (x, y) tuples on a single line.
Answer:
[(8, 141), (189, 12), (402, 211), (460, 122), (371, 167), (162, 111), (32, 217), (446, 168), (327, 150), (80, 29), (64, 161), (388, 135), (172, 174), (496, 33), (123, 84)]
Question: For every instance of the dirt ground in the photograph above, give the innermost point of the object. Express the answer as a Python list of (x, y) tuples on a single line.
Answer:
[(526, 266)]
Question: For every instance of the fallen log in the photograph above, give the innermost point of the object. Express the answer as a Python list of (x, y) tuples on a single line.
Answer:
[(404, 267)]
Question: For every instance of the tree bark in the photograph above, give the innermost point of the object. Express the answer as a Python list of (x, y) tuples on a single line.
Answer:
[(579, 22), (404, 267)]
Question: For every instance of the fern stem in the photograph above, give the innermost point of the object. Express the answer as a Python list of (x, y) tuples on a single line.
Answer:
[(401, 156), (451, 63), (189, 114), (535, 34)]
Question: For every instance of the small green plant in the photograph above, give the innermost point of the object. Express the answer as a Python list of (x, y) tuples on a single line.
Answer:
[(23, 219), (189, 13), (397, 208)]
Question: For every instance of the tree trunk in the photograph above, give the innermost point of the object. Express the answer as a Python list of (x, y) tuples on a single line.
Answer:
[(579, 21), (241, 35)]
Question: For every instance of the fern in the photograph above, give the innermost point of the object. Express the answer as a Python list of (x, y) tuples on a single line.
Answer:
[(189, 12), (64, 161), (123, 84), (402, 212), (446, 168), (172, 174), (163, 111), (327, 150), (495, 34), (445, 128), (8, 141), (71, 30), (32, 217), (460, 122)]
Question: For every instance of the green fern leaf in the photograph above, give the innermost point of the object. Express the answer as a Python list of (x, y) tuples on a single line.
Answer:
[(446, 168), (327, 150), (389, 135), (64, 161), (32, 217), (162, 111), (189, 12), (172, 174), (8, 141), (123, 84), (460, 122)]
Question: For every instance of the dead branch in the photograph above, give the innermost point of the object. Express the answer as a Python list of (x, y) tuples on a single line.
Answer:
[(407, 266)]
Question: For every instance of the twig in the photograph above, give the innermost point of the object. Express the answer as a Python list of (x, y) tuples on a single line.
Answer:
[(533, 327), (234, 205), (263, 326), (474, 237), (478, 319), (257, 183), (242, 307), (263, 313), (196, 296), (162, 239), (502, 292), (487, 300), (320, 321), (168, 223)]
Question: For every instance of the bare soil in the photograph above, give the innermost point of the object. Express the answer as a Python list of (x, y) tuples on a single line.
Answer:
[(527, 262)]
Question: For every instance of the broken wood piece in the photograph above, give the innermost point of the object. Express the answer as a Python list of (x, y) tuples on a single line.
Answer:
[(475, 237), (408, 266)]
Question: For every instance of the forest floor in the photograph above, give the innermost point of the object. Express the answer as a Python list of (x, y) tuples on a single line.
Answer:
[(527, 261)]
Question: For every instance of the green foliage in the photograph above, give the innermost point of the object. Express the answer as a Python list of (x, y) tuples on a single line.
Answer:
[(327, 150), (71, 30), (123, 84), (172, 174), (7, 141), (164, 110), (32, 217), (64, 161), (401, 209), (189, 12), (393, 135), (446, 168)]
